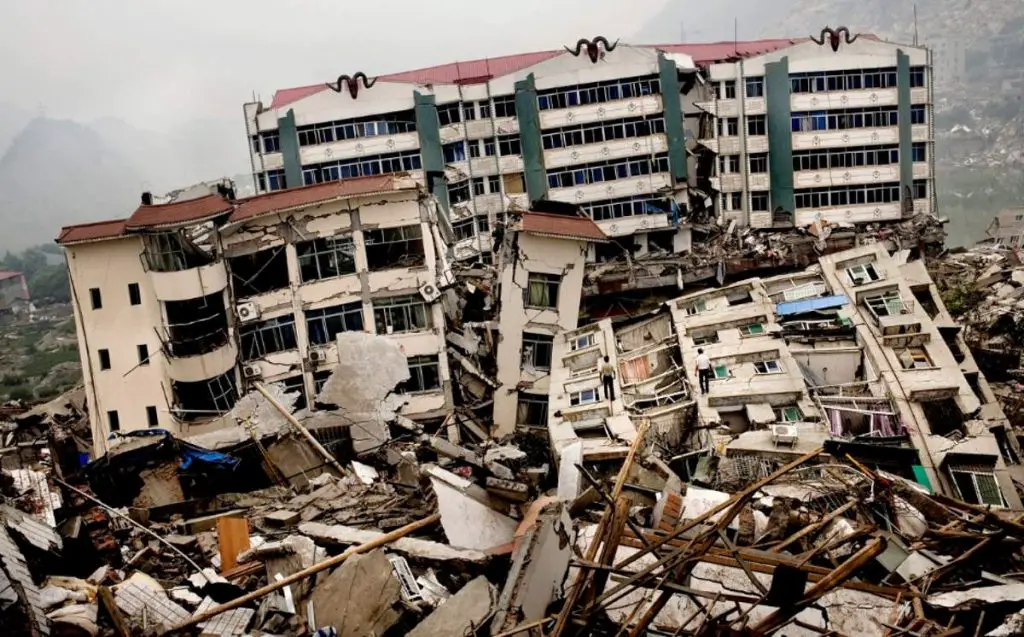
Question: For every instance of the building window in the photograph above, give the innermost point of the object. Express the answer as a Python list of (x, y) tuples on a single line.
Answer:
[(456, 151), (767, 367), (759, 202), (134, 296), (852, 157), (271, 142), (917, 77), (730, 163), (324, 325), (400, 247), (485, 109), (735, 201), (478, 187), (917, 114), (205, 398), (705, 338), (401, 314), (542, 290), (494, 184), (597, 92), (355, 128), (874, 117), (151, 418), (599, 172), (862, 274), (698, 306), (96, 298), (424, 375), (755, 87), (757, 125), (585, 397), (582, 342), (728, 127), (850, 195), (267, 337), (449, 114), (532, 410), (788, 414), (919, 152), (759, 163), (729, 89), (721, 371), (537, 351), (326, 258), (754, 329), (505, 106), (104, 356), (458, 192), (464, 229), (599, 132), (509, 145), (143, 354), (384, 164), (888, 304), (977, 485), (114, 421), (469, 111), (914, 358)]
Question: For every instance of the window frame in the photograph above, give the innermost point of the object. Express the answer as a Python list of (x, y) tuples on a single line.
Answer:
[(253, 338), (385, 311), (551, 282), (411, 235), (344, 312), (134, 294), (417, 367), (322, 253), (542, 347), (768, 367), (96, 298), (584, 397)]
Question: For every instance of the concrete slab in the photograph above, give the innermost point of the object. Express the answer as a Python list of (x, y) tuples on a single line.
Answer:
[(459, 613), (467, 514), (358, 597), (410, 547)]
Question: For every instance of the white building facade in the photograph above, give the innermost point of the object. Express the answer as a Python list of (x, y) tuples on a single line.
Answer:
[(182, 304)]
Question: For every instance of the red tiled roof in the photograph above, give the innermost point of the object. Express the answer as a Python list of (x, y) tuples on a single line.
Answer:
[(187, 211), (8, 274), (550, 225), (471, 70), (319, 193), (95, 231)]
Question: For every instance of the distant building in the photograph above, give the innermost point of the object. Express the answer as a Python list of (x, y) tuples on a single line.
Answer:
[(1007, 229), (13, 290), (949, 61)]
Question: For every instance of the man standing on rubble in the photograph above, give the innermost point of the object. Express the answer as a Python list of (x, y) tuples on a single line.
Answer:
[(608, 378), (703, 371)]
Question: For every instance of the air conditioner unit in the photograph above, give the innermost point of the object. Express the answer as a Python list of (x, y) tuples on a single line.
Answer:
[(429, 292), (785, 434), (247, 312), (251, 371), (317, 356)]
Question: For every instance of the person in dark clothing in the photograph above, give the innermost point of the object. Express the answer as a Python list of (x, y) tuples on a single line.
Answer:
[(608, 378)]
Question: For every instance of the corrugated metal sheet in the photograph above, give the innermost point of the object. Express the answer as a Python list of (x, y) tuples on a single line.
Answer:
[(810, 305)]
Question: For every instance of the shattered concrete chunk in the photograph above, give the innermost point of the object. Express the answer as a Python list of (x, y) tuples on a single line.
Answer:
[(467, 515), (459, 613), (410, 547), (359, 597)]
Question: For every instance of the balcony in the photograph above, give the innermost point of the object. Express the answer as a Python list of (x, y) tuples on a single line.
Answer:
[(852, 137), (618, 109), (362, 146), (484, 128), (214, 362), (728, 182), (616, 149), (866, 213), (192, 283), (631, 225), (846, 176), (493, 165), (866, 98), (720, 108), (640, 185)]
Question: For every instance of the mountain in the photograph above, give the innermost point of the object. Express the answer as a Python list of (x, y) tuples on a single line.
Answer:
[(12, 120), (724, 20), (58, 172)]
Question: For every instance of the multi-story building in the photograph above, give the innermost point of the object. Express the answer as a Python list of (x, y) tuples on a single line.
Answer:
[(840, 131), (13, 290), (770, 134), (179, 304), (1007, 228)]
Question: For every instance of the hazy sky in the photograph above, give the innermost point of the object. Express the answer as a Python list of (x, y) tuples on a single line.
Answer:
[(157, 63)]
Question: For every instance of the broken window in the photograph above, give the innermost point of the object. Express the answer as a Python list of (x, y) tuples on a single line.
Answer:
[(532, 410), (205, 398), (464, 229), (267, 337), (449, 114), (296, 385), (862, 274), (151, 416), (326, 257), (513, 183), (104, 356), (1006, 448), (542, 290), (977, 484), (889, 303), (400, 247), (320, 379), (259, 272), (325, 324), (134, 295), (755, 87), (759, 163), (537, 351), (172, 252), (143, 351), (709, 337), (458, 192), (401, 314), (582, 342), (196, 326), (698, 306), (767, 367), (757, 125), (944, 417), (455, 151), (914, 358), (113, 421), (96, 298), (585, 397), (424, 375)]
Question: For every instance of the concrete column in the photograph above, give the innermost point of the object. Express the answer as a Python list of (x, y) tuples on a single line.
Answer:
[(780, 135), (289, 140), (905, 134), (528, 114), (429, 129), (668, 75)]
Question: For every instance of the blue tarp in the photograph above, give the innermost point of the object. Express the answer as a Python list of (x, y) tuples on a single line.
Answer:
[(189, 453), (810, 305)]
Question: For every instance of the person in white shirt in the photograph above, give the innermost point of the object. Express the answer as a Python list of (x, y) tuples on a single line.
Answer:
[(704, 372), (608, 379)]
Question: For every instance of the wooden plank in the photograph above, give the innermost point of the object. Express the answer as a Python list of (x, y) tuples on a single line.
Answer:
[(107, 600), (232, 539)]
